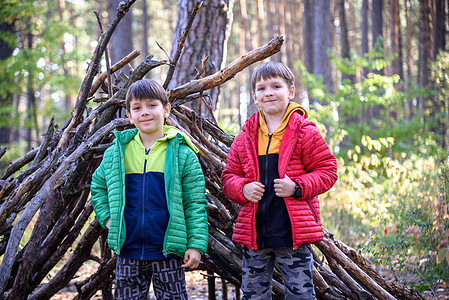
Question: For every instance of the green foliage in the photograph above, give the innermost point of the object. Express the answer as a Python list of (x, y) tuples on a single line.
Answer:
[(391, 196)]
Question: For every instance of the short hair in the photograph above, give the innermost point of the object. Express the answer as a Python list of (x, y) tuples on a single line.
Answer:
[(146, 89), (272, 69)]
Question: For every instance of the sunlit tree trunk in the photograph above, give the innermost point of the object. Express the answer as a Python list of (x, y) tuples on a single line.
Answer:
[(208, 37), (245, 46)]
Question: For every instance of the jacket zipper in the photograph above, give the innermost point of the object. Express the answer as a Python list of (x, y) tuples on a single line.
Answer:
[(122, 213), (143, 202), (270, 135)]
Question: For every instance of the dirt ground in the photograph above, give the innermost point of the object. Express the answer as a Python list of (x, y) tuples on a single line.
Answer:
[(197, 287)]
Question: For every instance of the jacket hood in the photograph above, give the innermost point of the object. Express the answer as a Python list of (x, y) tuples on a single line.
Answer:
[(256, 118), (291, 108), (170, 133)]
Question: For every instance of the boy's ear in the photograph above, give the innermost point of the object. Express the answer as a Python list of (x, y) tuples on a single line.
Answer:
[(167, 109), (128, 114), (291, 92), (254, 97)]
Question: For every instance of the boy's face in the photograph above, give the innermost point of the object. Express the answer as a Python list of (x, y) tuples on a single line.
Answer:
[(273, 95), (148, 115)]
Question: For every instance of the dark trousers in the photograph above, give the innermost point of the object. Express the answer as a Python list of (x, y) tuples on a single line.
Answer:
[(296, 267), (133, 278)]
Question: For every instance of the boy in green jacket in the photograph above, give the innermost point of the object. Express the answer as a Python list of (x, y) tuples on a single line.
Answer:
[(149, 191)]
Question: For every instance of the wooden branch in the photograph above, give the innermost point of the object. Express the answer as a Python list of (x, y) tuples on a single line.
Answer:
[(80, 105), (117, 66), (211, 128), (229, 71), (200, 136), (2, 151), (45, 142), (19, 228), (181, 42), (328, 248), (31, 181), (400, 291), (69, 239), (102, 277), (79, 256), (19, 163)]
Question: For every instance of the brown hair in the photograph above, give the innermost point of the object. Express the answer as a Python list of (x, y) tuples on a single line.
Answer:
[(272, 69), (146, 89)]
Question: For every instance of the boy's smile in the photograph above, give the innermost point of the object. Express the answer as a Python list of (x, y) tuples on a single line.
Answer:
[(272, 95)]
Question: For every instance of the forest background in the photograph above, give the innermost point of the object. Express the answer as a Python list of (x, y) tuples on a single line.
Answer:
[(373, 75)]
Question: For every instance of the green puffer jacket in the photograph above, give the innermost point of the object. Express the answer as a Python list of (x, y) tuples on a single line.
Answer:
[(184, 189)]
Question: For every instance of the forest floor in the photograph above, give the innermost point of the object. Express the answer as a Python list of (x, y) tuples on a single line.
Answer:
[(197, 287)]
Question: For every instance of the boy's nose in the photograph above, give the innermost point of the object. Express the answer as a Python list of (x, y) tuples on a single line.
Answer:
[(269, 92)]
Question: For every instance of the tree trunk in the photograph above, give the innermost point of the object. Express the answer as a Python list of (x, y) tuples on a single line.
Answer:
[(6, 51), (145, 24), (121, 40), (376, 26), (365, 26), (308, 34), (322, 42), (245, 46), (425, 51), (408, 106), (396, 38), (344, 40), (208, 37), (439, 30)]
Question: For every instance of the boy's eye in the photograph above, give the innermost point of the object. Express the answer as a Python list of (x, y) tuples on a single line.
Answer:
[(136, 107), (260, 89)]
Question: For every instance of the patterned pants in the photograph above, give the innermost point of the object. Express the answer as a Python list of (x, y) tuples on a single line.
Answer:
[(133, 277), (296, 267)]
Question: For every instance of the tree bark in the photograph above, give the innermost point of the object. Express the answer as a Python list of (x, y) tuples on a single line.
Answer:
[(122, 37), (377, 27), (365, 37), (396, 38), (308, 34), (439, 30), (344, 40), (322, 42), (425, 51), (6, 51), (208, 37)]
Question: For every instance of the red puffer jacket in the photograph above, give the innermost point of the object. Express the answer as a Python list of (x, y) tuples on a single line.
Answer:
[(304, 156)]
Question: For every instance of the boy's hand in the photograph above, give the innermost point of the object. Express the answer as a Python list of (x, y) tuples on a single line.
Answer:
[(253, 191), (108, 222), (284, 187), (192, 258)]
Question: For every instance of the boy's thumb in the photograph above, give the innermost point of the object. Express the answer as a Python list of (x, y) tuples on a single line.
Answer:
[(286, 176)]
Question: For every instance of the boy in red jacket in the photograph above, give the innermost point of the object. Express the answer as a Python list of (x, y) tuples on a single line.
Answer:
[(275, 170)]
